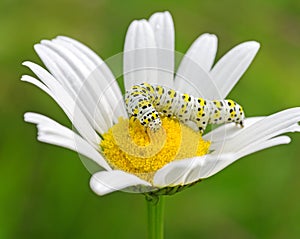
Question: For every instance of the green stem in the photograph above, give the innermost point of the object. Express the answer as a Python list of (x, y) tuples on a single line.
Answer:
[(156, 218)]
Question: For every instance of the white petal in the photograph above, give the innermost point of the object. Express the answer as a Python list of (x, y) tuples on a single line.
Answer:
[(182, 172), (100, 78), (186, 171), (228, 131), (102, 68), (193, 79), (140, 55), (223, 163), (259, 133), (52, 132), (192, 76), (232, 66), (203, 51), (267, 128), (163, 28), (71, 72), (258, 136), (40, 85), (84, 49), (263, 145), (175, 172), (208, 166), (105, 182), (62, 97)]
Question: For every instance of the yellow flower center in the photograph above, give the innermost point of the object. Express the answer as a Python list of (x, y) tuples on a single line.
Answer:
[(129, 147)]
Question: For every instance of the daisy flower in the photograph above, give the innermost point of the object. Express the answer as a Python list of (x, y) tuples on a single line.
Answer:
[(85, 88)]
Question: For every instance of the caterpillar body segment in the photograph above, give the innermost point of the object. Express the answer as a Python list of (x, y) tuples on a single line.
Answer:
[(146, 102)]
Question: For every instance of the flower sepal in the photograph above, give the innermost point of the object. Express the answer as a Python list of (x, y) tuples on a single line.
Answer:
[(153, 196)]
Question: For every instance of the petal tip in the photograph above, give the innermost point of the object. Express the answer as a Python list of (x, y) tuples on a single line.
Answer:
[(25, 63), (37, 47), (250, 45), (23, 77), (28, 117), (255, 45), (62, 37)]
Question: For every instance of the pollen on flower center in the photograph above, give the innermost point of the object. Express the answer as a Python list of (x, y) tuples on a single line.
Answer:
[(129, 147)]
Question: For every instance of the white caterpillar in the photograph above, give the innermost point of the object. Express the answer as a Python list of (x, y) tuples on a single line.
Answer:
[(145, 102)]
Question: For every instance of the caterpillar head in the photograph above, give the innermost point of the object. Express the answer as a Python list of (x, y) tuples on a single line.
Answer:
[(155, 124)]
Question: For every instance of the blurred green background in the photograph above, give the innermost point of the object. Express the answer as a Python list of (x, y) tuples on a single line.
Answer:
[(44, 189)]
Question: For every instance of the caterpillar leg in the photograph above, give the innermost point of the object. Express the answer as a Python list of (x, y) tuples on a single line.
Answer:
[(241, 124), (155, 125)]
